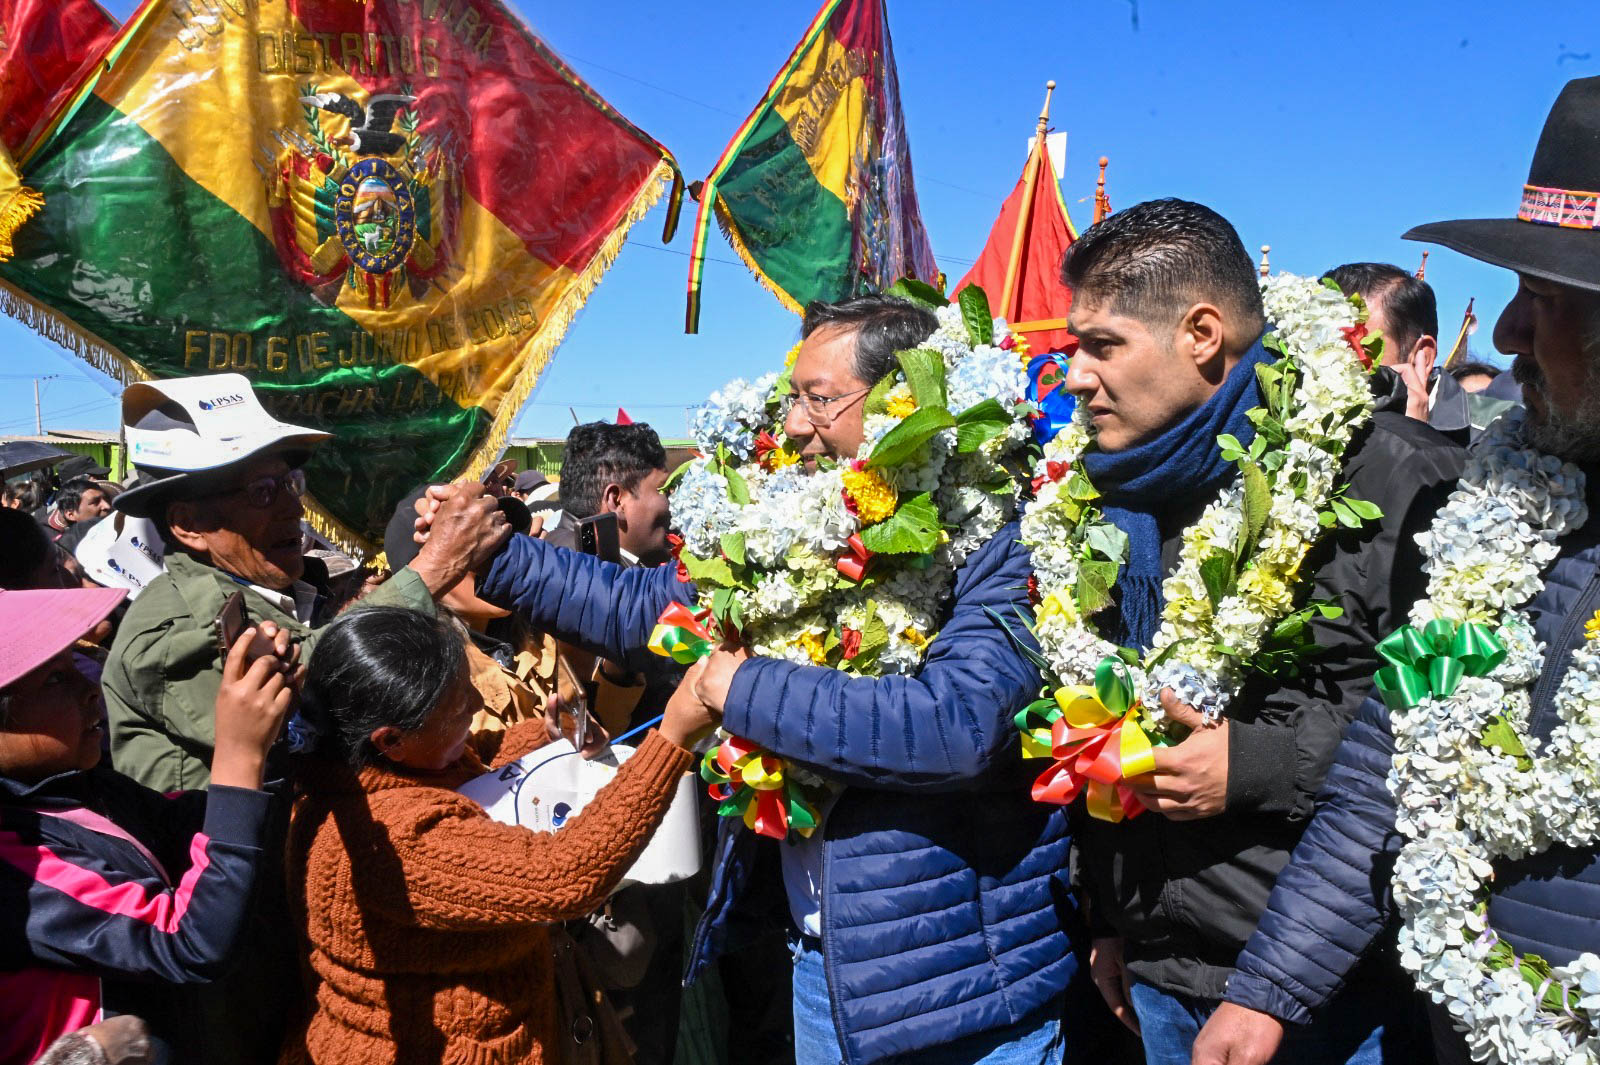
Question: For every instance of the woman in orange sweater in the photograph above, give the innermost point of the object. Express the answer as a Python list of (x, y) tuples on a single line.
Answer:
[(426, 921)]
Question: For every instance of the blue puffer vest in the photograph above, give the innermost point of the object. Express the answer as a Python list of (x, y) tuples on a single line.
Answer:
[(1332, 901), (945, 908)]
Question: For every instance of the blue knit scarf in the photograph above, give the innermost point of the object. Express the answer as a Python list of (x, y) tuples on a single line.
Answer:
[(1180, 465)]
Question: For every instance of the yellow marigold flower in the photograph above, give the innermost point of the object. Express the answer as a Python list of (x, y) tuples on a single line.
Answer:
[(901, 406), (1020, 347), (782, 457), (1591, 628), (874, 497), (914, 638), (794, 353), (811, 643)]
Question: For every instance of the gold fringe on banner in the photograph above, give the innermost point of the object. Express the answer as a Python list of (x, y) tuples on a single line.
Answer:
[(20, 206), (731, 231), (559, 319), (57, 328)]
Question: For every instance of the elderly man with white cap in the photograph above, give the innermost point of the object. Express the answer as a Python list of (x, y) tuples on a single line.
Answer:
[(221, 479)]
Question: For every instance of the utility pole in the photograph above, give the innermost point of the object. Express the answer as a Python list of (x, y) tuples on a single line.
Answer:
[(38, 417)]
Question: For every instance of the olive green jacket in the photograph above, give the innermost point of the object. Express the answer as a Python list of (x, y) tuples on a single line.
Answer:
[(164, 670)]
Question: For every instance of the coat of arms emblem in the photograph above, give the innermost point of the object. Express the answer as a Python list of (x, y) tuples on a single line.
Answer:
[(365, 212)]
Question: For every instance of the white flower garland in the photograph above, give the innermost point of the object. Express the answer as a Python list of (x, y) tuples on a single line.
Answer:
[(771, 545), (1464, 803), (1316, 327)]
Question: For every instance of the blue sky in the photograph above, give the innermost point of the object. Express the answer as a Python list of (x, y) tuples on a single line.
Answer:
[(1323, 130)]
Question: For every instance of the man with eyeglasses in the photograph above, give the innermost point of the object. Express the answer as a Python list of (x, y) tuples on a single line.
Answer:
[(222, 480), (931, 914)]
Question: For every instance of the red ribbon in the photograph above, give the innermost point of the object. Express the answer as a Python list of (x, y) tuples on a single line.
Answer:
[(1053, 471), (854, 565), (684, 618), (1089, 759), (1354, 335)]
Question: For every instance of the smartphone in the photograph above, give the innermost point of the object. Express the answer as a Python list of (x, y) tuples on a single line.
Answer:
[(597, 536), (230, 623)]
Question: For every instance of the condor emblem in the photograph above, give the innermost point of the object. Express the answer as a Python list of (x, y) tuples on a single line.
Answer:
[(362, 198)]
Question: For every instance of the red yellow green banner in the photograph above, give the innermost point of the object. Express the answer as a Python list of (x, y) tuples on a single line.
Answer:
[(385, 214), (814, 191), (46, 47)]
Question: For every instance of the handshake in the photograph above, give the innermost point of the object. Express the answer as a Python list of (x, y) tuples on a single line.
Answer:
[(461, 530)]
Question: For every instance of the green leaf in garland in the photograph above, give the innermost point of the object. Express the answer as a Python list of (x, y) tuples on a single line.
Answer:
[(714, 572), (877, 401), (1108, 541), (1364, 510), (976, 316), (924, 370), (920, 292), (1257, 509), (676, 475), (727, 609), (1501, 737), (913, 529), (1093, 590), (902, 442), (733, 547), (738, 487), (1079, 486), (1217, 571), (874, 638), (979, 424)]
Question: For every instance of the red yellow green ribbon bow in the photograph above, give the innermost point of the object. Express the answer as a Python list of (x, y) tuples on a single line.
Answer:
[(752, 784), (1096, 736), (680, 636), (747, 781)]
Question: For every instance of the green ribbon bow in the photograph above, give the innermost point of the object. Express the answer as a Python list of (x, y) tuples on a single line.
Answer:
[(1036, 721), (1431, 662)]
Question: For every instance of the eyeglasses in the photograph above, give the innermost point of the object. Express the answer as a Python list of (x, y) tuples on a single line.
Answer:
[(263, 492), (821, 411)]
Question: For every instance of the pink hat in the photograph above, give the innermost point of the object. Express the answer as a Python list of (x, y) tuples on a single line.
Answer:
[(35, 626)]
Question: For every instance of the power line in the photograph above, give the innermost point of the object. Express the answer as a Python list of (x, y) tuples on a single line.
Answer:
[(657, 88)]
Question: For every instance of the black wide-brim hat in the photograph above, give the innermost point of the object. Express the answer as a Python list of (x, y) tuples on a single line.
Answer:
[(1556, 233)]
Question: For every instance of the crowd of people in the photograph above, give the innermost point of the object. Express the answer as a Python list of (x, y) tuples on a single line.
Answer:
[(230, 757)]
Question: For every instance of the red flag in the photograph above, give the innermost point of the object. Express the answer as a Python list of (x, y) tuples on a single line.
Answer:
[(45, 48), (1038, 297), (622, 417)]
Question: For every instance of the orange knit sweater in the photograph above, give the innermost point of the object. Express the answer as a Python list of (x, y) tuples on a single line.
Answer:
[(426, 919)]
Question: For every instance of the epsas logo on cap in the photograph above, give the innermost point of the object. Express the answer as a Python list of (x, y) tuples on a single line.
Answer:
[(220, 401)]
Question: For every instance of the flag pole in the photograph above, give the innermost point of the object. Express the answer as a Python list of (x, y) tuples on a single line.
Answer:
[(1468, 320), (1030, 183), (1102, 202)]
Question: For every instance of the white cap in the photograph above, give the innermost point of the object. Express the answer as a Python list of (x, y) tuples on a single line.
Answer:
[(191, 425), (203, 423), (122, 552)]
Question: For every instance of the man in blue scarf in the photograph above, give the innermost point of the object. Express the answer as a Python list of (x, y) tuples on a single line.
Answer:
[(1169, 320)]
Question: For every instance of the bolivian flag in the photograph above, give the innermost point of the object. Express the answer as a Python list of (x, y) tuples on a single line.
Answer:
[(46, 48), (384, 213), (814, 191)]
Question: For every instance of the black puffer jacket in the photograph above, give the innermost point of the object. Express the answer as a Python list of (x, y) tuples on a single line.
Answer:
[(1185, 895)]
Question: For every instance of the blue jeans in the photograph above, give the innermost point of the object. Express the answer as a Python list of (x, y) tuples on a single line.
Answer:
[(1349, 1030), (1033, 1041)]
